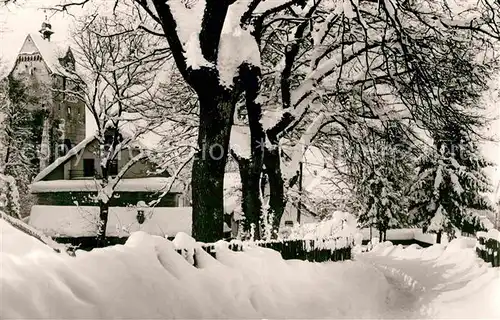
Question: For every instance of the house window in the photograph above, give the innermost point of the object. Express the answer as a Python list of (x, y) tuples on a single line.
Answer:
[(113, 168), (88, 167)]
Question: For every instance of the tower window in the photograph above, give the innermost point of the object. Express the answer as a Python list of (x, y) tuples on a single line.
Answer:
[(69, 110)]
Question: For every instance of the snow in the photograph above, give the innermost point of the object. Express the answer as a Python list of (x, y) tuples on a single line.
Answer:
[(342, 224), (405, 234), (442, 281), (232, 194), (50, 54), (271, 118), (9, 195), (493, 234), (147, 279), (83, 221), (390, 6), (18, 243), (237, 46), (439, 178), (438, 221), (240, 141), (150, 184), (187, 245), (348, 9), (266, 5), (188, 16)]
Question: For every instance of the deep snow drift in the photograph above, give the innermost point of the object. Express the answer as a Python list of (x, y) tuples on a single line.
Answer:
[(147, 279)]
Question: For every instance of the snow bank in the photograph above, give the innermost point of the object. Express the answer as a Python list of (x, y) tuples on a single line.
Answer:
[(83, 221), (17, 243), (453, 282), (150, 184), (342, 224), (493, 234), (405, 234), (147, 279)]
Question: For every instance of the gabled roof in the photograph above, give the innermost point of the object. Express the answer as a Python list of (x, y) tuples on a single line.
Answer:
[(49, 51), (77, 149), (61, 160)]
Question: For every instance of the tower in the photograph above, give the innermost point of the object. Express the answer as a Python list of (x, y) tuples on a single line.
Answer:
[(49, 75)]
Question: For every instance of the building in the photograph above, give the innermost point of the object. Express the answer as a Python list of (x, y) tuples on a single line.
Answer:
[(65, 190), (146, 198), (48, 72)]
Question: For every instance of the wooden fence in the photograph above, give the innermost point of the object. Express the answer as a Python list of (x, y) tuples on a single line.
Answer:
[(307, 250), (488, 249)]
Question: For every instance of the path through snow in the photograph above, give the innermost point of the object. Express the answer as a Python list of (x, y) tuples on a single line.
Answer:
[(437, 282)]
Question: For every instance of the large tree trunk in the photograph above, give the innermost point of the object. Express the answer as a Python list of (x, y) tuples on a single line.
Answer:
[(438, 237), (251, 204), (103, 217), (103, 211), (216, 119), (276, 184), (251, 169)]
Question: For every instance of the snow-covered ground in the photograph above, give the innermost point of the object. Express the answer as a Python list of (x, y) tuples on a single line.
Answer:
[(442, 281), (147, 279)]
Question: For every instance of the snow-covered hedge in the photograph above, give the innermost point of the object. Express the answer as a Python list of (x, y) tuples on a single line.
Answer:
[(488, 246), (317, 250), (340, 225)]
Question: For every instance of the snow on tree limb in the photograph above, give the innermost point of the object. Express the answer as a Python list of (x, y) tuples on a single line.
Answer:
[(240, 141)]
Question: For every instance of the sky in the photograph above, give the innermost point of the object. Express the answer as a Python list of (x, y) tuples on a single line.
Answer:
[(16, 21)]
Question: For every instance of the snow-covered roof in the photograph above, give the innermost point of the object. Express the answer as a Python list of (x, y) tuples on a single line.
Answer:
[(148, 184), (49, 51), (61, 160), (83, 221), (78, 148)]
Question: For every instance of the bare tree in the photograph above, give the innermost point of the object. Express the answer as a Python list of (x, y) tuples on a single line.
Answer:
[(119, 78)]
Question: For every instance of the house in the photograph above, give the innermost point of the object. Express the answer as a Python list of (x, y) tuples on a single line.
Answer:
[(145, 198)]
